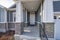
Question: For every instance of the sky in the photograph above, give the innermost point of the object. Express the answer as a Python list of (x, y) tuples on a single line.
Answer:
[(6, 3)]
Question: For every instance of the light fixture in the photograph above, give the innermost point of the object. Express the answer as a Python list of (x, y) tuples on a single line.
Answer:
[(32, 8)]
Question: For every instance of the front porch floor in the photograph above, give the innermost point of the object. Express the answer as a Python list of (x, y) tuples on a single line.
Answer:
[(31, 33)]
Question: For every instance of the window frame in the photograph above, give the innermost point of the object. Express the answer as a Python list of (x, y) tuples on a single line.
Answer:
[(12, 16)]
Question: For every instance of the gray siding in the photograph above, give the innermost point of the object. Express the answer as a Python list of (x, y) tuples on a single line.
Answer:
[(2, 15), (56, 6)]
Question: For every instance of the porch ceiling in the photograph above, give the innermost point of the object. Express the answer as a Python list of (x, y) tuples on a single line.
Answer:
[(31, 5)]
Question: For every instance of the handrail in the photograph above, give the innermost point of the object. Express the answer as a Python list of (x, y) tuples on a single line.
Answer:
[(43, 33)]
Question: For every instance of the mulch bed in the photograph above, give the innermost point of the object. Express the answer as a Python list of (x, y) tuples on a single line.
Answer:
[(7, 36)]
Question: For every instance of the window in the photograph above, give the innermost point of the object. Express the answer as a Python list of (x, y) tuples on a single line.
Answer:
[(11, 16), (56, 6)]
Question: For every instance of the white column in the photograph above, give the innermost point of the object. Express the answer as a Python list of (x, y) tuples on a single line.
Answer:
[(19, 12), (19, 18), (26, 16), (48, 11)]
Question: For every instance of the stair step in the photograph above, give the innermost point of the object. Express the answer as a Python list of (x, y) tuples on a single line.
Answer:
[(22, 37)]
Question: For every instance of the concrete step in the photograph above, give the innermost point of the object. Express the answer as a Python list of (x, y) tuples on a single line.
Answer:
[(23, 37)]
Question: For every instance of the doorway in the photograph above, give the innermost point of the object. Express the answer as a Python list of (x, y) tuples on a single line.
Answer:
[(32, 18)]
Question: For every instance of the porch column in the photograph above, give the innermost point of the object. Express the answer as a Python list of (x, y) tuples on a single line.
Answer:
[(48, 19), (48, 11), (19, 18), (26, 22)]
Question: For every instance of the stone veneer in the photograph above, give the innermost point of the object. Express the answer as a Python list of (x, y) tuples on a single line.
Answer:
[(3, 27), (39, 26), (19, 28), (11, 26), (49, 29)]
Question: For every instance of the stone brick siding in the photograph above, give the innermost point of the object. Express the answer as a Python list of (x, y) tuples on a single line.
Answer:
[(49, 29)]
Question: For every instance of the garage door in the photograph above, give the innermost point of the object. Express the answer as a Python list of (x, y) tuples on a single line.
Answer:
[(57, 27)]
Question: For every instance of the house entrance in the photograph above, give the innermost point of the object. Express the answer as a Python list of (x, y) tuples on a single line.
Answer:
[(32, 18)]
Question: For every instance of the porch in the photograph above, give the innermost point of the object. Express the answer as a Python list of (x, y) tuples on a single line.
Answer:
[(30, 33), (42, 16), (33, 33)]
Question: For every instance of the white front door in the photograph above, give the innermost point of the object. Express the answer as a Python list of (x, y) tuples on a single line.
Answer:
[(57, 28), (32, 18)]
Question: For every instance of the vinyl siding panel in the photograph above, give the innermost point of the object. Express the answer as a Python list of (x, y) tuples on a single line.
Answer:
[(2, 15)]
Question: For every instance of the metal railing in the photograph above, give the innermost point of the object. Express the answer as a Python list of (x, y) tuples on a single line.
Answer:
[(43, 34)]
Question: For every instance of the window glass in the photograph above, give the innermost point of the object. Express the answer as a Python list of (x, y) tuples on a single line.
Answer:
[(56, 6), (11, 17), (55, 17)]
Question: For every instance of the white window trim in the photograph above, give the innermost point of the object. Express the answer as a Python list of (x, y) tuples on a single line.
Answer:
[(9, 16), (13, 17)]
